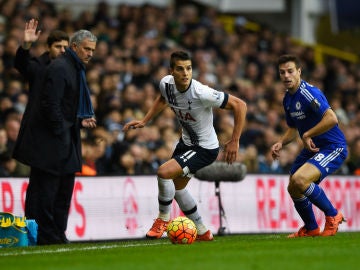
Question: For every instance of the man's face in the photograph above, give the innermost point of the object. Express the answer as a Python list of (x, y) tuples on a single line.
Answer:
[(84, 50), (290, 76), (182, 73), (58, 48)]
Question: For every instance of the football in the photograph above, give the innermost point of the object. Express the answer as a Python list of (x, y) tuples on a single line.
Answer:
[(181, 230)]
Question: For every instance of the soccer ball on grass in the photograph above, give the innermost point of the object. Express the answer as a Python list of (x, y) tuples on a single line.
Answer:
[(181, 230)]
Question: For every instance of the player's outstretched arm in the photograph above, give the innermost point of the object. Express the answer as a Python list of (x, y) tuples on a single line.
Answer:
[(239, 109), (288, 137), (156, 108)]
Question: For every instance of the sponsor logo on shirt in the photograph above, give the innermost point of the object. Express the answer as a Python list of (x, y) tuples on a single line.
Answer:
[(298, 115)]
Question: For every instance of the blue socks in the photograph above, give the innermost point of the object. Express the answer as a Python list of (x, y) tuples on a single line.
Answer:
[(304, 207), (318, 197), (313, 195)]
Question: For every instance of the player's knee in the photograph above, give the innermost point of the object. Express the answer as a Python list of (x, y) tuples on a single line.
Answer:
[(292, 190), (170, 170), (297, 184), (164, 172)]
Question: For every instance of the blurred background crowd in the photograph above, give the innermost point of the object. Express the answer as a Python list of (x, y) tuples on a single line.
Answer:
[(134, 45)]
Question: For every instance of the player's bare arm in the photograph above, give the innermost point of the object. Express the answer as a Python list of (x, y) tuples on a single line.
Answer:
[(328, 121), (288, 137), (239, 109), (158, 106)]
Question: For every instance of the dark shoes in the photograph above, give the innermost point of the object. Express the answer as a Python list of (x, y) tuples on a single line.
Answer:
[(52, 240)]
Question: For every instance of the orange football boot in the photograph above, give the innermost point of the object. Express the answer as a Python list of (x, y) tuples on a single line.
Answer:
[(332, 224), (208, 236), (158, 228), (303, 232)]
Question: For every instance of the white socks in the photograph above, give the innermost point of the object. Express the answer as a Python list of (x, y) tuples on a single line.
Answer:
[(165, 197), (188, 205), (184, 199)]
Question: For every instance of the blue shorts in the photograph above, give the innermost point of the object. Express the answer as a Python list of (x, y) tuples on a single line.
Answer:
[(193, 158), (327, 160)]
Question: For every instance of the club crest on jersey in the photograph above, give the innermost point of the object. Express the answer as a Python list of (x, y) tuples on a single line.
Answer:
[(315, 104), (298, 114), (189, 103)]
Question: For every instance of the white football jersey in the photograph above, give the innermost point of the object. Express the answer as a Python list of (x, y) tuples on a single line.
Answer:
[(193, 109)]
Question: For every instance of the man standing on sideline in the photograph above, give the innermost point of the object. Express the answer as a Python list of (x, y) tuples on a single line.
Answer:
[(308, 114), (52, 147), (33, 70), (192, 103)]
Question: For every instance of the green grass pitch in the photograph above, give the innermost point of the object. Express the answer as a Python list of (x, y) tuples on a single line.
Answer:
[(246, 251)]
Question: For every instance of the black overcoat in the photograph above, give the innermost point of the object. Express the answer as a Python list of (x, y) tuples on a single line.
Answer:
[(33, 70), (50, 137)]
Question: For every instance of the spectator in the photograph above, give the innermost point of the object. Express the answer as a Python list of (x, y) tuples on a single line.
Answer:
[(269, 166), (12, 127), (3, 140), (353, 162), (93, 148), (7, 165)]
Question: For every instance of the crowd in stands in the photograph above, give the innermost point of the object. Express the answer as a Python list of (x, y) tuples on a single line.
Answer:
[(134, 44)]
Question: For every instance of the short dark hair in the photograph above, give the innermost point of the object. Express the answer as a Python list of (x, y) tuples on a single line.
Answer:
[(56, 36), (289, 58), (178, 55)]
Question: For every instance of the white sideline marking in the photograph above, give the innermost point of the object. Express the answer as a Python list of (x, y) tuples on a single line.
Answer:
[(69, 249)]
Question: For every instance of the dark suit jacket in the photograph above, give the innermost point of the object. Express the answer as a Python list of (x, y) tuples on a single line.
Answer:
[(51, 137)]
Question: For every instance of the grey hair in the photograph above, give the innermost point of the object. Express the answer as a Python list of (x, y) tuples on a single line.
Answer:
[(80, 35)]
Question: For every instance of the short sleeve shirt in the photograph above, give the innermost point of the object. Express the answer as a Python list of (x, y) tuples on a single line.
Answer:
[(305, 108), (193, 109)]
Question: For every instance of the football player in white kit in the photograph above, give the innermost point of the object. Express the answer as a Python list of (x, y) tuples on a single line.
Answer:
[(192, 103)]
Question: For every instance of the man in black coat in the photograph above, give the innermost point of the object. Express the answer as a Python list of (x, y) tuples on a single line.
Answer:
[(51, 141), (33, 68)]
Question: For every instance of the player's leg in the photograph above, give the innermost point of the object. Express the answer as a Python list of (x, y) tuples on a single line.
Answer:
[(192, 159), (188, 206), (300, 181), (186, 160), (305, 191), (166, 192), (327, 161)]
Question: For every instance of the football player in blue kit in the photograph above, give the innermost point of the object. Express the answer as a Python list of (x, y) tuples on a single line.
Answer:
[(309, 115), (192, 103)]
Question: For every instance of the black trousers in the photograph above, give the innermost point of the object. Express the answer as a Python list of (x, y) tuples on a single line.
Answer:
[(48, 199)]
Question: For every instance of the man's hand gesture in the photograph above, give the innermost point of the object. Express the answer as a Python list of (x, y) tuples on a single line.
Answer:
[(31, 34)]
